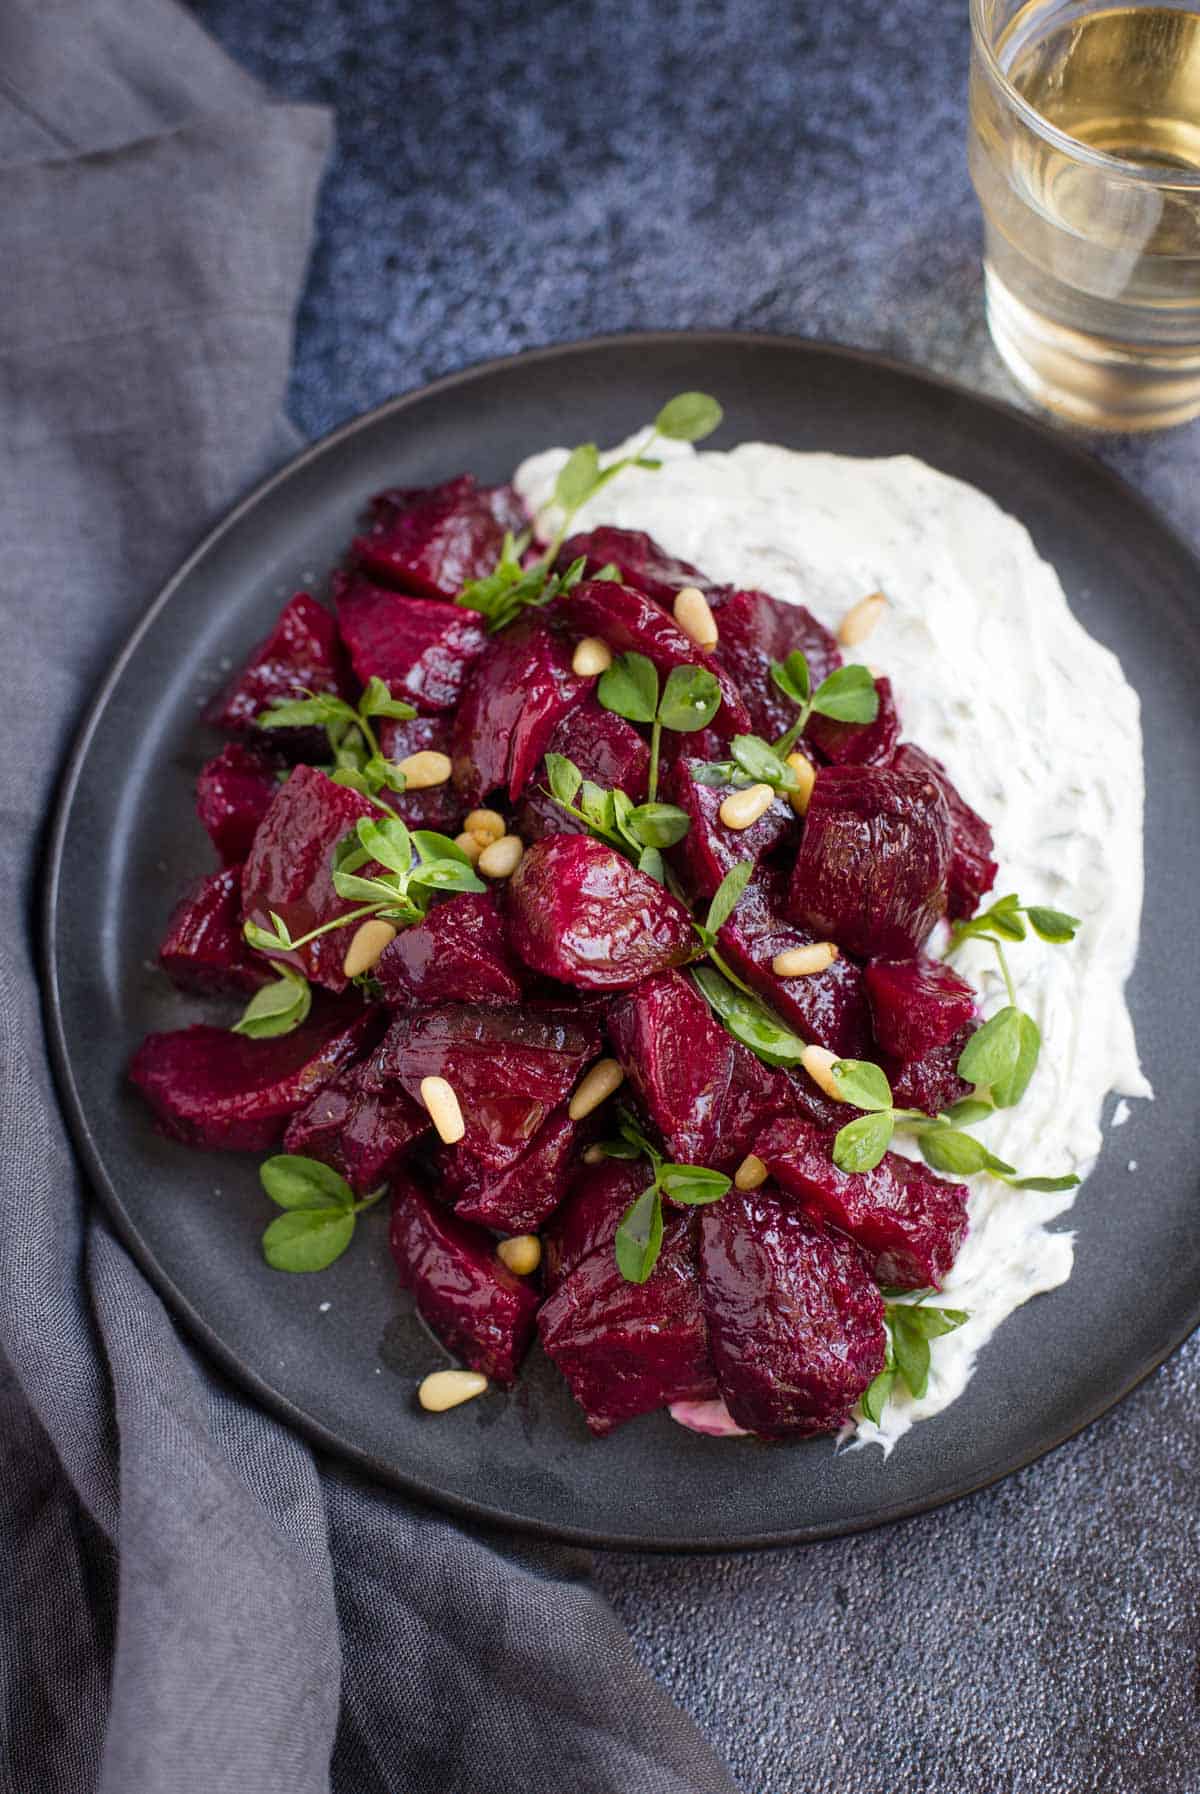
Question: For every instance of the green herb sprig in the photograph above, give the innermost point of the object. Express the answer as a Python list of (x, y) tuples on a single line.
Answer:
[(640, 1232), (910, 1327), (353, 743), (639, 831), (320, 1213), (277, 1008), (688, 701), (848, 695), (753, 762), (1002, 1055)]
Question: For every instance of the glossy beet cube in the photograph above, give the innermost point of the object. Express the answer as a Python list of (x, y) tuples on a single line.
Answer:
[(421, 648), (288, 870), (364, 1134), (204, 949), (858, 744), (756, 629), (233, 794), (588, 1218), (581, 913), (432, 806), (907, 1221), (430, 540), (510, 1068), (930, 1082), (302, 654), (213, 1088), (605, 748), (972, 868), (795, 1322), (520, 690), (628, 621), (481, 1312), (709, 849), (638, 559), (917, 1004), (458, 954), (678, 1060), (518, 1198), (872, 867)]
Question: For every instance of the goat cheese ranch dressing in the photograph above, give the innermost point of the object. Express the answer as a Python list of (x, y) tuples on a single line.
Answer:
[(1037, 727)]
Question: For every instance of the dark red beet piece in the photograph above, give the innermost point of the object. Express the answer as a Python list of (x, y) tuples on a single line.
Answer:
[(588, 1219), (458, 954), (205, 949), (582, 913), (480, 1311), (430, 540), (509, 1067), (213, 1088), (233, 794), (930, 1082), (909, 1223), (520, 690), (301, 654), (858, 744), (433, 806), (795, 1322), (638, 558), (421, 648), (519, 1198), (288, 869), (626, 620), (972, 868), (828, 1008), (709, 850), (605, 748), (756, 629), (364, 1134), (871, 871), (679, 1061), (917, 1004), (628, 1348)]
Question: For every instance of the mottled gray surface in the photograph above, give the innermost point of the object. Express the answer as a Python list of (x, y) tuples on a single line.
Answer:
[(511, 174)]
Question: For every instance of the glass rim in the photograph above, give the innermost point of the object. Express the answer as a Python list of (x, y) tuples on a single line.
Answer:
[(1118, 166)]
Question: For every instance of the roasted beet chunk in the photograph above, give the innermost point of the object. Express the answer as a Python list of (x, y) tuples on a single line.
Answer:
[(638, 559), (858, 744), (588, 1219), (972, 868), (917, 1004), (909, 1223), (709, 849), (301, 654), (233, 794), (605, 748), (509, 1067), (678, 1059), (930, 1082), (756, 629), (479, 1310), (205, 949), (871, 871), (431, 806), (362, 1133), (288, 870), (458, 954), (430, 540), (519, 691), (420, 648), (627, 1348), (211, 1087), (580, 912), (795, 1322), (828, 1008), (517, 1199), (626, 620)]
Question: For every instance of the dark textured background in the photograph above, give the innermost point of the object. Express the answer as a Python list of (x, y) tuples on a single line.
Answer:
[(511, 174)]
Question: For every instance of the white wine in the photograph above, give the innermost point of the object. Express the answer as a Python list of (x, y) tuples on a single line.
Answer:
[(1091, 202)]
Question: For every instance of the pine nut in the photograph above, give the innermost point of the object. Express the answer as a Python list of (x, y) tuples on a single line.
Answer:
[(471, 845), (819, 1062), (591, 656), (522, 1254), (367, 943), (799, 962), (444, 1389), (489, 825), (593, 1155), (806, 772), (693, 614), (861, 619), (595, 1087), (501, 858), (750, 1173), (442, 1103), (424, 769), (742, 809)]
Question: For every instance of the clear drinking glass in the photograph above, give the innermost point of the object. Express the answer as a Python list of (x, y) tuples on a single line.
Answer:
[(1085, 154)]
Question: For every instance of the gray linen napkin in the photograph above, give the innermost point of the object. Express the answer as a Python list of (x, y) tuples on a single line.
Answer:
[(188, 1599)]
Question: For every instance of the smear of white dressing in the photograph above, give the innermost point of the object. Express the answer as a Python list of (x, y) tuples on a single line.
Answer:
[(1040, 732)]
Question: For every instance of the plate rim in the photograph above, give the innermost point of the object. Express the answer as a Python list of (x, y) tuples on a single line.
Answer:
[(245, 1378)]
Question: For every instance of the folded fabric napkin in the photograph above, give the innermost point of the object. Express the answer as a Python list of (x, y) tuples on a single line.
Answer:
[(191, 1601)]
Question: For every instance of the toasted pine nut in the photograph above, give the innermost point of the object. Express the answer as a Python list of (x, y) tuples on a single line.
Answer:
[(594, 1087), (806, 772), (861, 619), (488, 825), (441, 1101), (799, 962), (424, 769), (693, 614), (471, 845), (742, 809), (750, 1173), (593, 1155), (501, 858), (444, 1389), (366, 944), (591, 656), (819, 1062), (522, 1254)]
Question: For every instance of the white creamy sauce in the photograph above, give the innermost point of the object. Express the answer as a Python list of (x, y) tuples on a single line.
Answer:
[(1039, 730)]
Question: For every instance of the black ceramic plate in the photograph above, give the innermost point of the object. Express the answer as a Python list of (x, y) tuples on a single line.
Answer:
[(339, 1354)]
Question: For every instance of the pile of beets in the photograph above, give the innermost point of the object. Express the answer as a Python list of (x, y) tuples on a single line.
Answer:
[(769, 1299)]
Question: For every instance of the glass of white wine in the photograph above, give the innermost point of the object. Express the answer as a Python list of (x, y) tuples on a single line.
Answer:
[(1085, 154)]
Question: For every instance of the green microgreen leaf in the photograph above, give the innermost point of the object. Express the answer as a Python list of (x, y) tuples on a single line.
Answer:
[(377, 700), (610, 570), (308, 1239), (264, 939), (693, 1184), (760, 763), (690, 700), (447, 875), (878, 1393), (688, 417), (386, 840), (727, 896), (654, 825), (958, 1154), (277, 1008), (432, 847), (292, 1181), (578, 477), (317, 709), (564, 776), (861, 1144), (862, 1083), (650, 861), (1045, 1184), (1008, 1090), (792, 678), (968, 1111), (629, 688), (639, 1236), (911, 1350), (848, 695), (990, 1056), (1052, 925), (748, 1020)]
